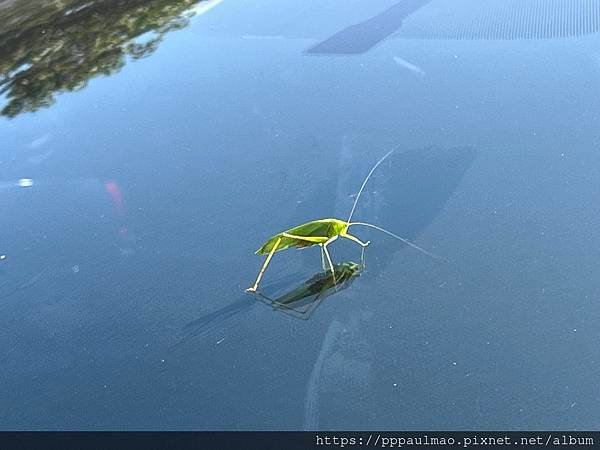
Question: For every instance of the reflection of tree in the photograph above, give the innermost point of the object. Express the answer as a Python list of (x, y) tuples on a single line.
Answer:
[(49, 47)]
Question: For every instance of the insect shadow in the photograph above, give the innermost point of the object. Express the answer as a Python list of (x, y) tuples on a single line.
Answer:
[(299, 301)]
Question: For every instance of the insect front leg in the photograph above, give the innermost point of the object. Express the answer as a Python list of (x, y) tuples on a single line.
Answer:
[(264, 267), (359, 242), (322, 257), (362, 257), (355, 239), (329, 257)]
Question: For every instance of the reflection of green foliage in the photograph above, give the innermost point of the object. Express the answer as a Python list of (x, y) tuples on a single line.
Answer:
[(50, 47)]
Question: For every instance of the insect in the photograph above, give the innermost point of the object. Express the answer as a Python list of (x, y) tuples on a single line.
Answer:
[(323, 232)]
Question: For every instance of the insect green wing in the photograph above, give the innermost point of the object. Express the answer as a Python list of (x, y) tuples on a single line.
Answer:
[(313, 233), (288, 242)]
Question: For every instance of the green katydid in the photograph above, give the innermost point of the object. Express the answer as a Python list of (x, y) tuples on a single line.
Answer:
[(323, 232)]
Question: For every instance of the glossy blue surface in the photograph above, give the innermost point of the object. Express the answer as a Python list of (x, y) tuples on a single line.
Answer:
[(132, 207)]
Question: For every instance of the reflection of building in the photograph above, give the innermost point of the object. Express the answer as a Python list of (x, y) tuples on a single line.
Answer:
[(503, 19), (466, 20)]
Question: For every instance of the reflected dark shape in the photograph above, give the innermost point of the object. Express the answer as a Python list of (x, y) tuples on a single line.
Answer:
[(413, 193), (404, 195), (302, 301), (52, 47), (363, 36)]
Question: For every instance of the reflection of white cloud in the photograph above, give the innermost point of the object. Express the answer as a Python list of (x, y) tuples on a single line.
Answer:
[(23, 182), (39, 141), (341, 372), (93, 184), (79, 8), (203, 7), (22, 68), (145, 38), (260, 37), (311, 405), (404, 63), (36, 159)]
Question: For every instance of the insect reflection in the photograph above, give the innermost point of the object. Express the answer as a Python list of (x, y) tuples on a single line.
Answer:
[(302, 301)]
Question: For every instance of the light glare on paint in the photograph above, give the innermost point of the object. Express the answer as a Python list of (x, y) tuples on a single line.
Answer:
[(25, 182)]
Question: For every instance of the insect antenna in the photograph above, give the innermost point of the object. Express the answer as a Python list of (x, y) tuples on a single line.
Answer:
[(406, 241), (365, 182)]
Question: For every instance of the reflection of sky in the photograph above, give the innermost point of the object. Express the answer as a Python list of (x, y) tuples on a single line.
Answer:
[(205, 6), (217, 142)]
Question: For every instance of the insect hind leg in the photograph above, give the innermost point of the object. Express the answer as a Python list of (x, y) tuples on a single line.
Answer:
[(264, 267)]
